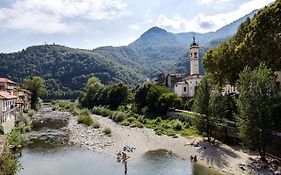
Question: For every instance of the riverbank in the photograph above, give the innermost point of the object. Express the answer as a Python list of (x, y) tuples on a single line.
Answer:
[(219, 156)]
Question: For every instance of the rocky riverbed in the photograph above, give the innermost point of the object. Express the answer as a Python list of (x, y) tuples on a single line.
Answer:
[(61, 128)]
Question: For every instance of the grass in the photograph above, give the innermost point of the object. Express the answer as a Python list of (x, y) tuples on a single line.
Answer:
[(169, 127), (83, 115), (189, 113), (107, 131)]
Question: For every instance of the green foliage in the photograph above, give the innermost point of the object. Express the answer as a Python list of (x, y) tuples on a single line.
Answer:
[(171, 127), (85, 117), (17, 138), (66, 70), (202, 97), (107, 131), (102, 111), (9, 165), (119, 116), (257, 40), (36, 85), (155, 99), (95, 94), (256, 101)]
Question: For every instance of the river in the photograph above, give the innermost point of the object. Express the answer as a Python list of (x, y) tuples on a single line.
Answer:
[(79, 161)]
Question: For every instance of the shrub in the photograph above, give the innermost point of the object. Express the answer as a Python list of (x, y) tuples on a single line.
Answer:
[(31, 113), (102, 111), (178, 126), (158, 120), (119, 116), (136, 123), (96, 124), (131, 119), (16, 138), (85, 118), (107, 131), (125, 123)]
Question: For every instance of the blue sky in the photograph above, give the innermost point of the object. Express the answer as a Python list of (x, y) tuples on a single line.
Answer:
[(93, 23)]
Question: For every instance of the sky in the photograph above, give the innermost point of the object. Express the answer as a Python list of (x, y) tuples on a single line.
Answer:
[(89, 24)]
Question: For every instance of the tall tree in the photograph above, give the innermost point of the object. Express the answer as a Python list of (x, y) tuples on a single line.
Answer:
[(201, 106), (258, 92), (36, 85), (88, 97), (257, 40)]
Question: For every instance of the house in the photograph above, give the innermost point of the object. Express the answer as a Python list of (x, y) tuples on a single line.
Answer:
[(7, 111), (23, 101), (7, 85)]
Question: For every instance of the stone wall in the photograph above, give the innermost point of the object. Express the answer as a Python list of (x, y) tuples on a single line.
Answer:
[(9, 125)]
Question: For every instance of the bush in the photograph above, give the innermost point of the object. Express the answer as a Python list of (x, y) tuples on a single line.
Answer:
[(119, 116), (9, 164), (85, 118), (178, 126), (136, 123), (125, 123), (102, 111), (107, 131), (31, 113), (96, 124), (16, 138)]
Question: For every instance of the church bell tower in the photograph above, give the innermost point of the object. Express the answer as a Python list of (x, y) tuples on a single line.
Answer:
[(194, 58)]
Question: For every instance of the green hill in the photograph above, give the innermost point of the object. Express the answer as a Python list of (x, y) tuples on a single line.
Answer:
[(65, 70)]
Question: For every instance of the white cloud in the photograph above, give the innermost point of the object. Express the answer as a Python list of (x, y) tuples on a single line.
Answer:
[(214, 1), (50, 16), (205, 23)]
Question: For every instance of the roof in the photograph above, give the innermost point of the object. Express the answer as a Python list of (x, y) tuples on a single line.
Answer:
[(5, 80), (6, 96), (24, 90)]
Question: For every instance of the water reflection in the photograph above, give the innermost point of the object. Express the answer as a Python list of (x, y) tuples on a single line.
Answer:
[(78, 161)]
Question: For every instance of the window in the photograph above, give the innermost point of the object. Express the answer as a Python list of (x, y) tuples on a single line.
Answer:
[(184, 89), (195, 54)]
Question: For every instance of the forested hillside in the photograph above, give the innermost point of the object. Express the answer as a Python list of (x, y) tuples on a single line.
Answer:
[(65, 70)]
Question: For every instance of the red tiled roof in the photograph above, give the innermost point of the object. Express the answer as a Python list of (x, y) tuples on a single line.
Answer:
[(5, 95), (5, 80)]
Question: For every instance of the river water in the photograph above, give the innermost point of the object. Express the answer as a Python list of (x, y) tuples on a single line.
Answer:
[(79, 161)]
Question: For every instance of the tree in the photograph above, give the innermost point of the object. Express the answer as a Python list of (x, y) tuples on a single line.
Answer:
[(88, 97), (140, 96), (257, 40), (36, 85), (167, 101), (117, 95), (154, 93), (217, 112), (201, 106), (256, 101)]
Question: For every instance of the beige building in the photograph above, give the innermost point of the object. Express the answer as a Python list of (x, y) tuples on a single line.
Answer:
[(7, 111), (7, 85), (187, 86)]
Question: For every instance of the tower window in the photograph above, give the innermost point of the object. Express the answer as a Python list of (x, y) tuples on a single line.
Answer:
[(191, 54), (195, 54), (184, 89)]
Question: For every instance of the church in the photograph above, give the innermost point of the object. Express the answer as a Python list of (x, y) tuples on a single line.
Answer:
[(184, 85)]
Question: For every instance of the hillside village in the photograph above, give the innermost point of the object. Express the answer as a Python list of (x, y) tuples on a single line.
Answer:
[(13, 102)]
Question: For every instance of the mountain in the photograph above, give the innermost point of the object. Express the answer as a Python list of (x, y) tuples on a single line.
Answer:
[(66, 70), (159, 51)]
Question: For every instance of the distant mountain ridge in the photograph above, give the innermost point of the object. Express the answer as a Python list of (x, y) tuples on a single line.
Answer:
[(66, 70)]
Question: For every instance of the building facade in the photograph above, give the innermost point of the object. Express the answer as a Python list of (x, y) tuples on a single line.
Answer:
[(7, 111)]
